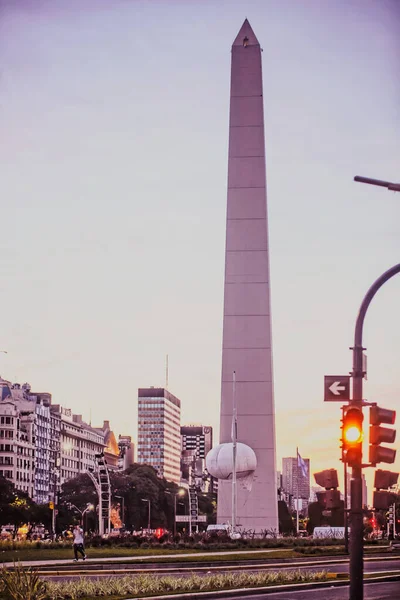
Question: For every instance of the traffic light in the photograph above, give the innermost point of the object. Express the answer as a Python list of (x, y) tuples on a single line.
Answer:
[(352, 435), (329, 480), (379, 435), (384, 480), (51, 505)]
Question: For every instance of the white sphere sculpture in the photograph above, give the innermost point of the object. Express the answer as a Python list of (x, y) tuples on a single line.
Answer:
[(219, 461)]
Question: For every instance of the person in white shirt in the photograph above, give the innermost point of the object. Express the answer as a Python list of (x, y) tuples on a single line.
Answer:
[(78, 543)]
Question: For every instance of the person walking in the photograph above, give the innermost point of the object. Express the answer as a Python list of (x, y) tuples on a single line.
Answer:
[(78, 543)]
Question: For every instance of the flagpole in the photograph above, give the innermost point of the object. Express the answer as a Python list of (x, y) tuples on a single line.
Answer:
[(297, 492), (234, 443)]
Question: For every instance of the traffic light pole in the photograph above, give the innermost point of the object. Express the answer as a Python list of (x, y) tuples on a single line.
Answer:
[(356, 517)]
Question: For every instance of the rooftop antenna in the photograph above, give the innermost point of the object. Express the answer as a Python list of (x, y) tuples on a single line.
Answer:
[(90, 416), (166, 372)]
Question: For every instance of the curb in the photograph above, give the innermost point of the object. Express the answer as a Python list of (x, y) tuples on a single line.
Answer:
[(267, 590), (193, 565)]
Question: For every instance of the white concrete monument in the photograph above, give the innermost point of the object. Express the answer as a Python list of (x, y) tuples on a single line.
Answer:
[(247, 320)]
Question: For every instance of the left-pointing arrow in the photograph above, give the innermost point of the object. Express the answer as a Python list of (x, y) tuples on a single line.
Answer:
[(336, 388)]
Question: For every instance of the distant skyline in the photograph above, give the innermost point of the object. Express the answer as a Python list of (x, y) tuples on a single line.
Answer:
[(114, 134)]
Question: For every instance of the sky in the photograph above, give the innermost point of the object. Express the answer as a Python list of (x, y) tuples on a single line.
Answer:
[(113, 158)]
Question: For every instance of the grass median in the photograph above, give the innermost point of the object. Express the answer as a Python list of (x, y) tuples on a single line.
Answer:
[(113, 588), (169, 555)]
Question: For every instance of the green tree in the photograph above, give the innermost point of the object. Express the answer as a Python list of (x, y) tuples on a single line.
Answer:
[(6, 499)]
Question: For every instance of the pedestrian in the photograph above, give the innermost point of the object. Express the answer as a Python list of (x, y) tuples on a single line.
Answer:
[(78, 543)]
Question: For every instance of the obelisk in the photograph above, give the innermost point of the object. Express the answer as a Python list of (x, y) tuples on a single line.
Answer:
[(247, 348)]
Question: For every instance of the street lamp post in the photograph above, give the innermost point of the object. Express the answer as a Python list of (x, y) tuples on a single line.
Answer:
[(180, 492), (56, 474), (393, 187), (149, 516), (122, 510), (88, 508)]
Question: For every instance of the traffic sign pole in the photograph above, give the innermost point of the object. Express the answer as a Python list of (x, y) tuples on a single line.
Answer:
[(356, 517), (336, 388)]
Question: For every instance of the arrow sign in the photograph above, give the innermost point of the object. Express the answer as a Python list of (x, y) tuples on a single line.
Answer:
[(336, 388)]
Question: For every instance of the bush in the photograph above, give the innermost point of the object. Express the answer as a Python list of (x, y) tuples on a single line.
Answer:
[(22, 584), (148, 585)]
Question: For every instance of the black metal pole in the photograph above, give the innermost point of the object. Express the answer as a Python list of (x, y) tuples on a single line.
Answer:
[(174, 515), (393, 187), (346, 516), (356, 517)]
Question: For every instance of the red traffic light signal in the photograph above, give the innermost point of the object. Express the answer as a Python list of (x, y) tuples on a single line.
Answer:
[(352, 435), (379, 435)]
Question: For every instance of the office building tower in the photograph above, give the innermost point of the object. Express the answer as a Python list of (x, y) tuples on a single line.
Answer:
[(196, 443), (364, 490), (159, 429), (294, 483)]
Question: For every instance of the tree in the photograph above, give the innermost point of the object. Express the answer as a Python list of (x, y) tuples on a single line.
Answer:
[(138, 483), (6, 498), (20, 509), (286, 525)]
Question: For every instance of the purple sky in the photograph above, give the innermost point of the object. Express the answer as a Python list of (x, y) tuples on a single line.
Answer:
[(114, 133)]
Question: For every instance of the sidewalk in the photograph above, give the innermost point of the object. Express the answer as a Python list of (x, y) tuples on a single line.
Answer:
[(40, 563)]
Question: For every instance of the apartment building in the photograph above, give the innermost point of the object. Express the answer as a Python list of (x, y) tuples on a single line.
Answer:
[(42, 445), (79, 442), (17, 447)]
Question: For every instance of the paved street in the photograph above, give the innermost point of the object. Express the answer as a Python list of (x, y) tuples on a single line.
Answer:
[(95, 572), (373, 591)]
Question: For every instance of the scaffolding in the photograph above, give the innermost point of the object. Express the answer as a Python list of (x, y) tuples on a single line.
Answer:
[(101, 481)]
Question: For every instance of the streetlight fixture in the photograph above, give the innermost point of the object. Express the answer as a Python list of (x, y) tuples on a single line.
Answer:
[(88, 508), (122, 510), (393, 187), (180, 492), (149, 517)]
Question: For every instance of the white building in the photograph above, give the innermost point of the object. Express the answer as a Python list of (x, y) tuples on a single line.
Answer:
[(79, 442), (159, 432), (17, 447)]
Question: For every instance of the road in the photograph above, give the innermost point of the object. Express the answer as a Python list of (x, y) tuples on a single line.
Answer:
[(334, 565), (372, 591)]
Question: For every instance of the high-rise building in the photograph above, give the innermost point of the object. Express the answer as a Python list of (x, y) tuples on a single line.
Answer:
[(159, 432), (364, 490), (196, 444), (247, 345), (294, 483)]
